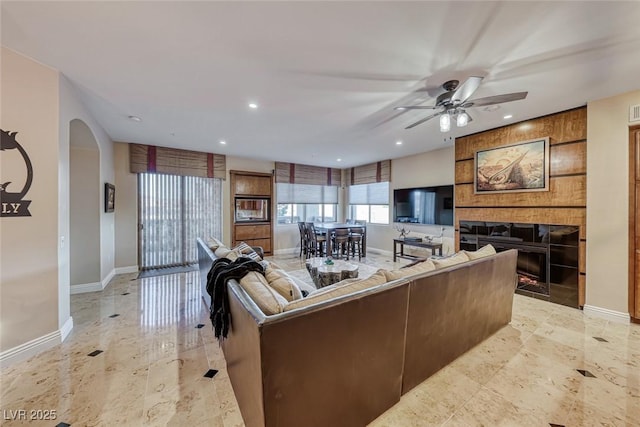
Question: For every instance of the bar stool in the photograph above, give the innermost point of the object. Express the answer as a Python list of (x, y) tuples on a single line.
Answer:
[(316, 243), (341, 241), (303, 238), (355, 241)]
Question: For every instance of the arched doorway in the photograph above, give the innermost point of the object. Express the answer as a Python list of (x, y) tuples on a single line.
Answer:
[(84, 209)]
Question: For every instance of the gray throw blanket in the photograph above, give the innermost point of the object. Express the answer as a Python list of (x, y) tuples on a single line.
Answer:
[(221, 272)]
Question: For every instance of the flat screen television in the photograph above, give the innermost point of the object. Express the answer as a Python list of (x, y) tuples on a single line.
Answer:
[(424, 205)]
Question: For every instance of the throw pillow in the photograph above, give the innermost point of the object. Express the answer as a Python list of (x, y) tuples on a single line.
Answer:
[(269, 301), (214, 243), (421, 267), (482, 252), (247, 251), (458, 258), (283, 284), (333, 291)]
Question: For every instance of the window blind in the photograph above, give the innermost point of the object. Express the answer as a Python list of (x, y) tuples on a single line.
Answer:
[(171, 161), (369, 194), (174, 211), (370, 173), (294, 173), (302, 193)]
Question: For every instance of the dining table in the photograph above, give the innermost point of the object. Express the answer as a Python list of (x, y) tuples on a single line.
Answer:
[(327, 229)]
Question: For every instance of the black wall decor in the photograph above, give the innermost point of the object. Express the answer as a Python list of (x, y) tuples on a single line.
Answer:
[(13, 204), (109, 197)]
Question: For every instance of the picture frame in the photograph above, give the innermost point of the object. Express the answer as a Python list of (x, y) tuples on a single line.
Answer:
[(109, 197), (519, 167)]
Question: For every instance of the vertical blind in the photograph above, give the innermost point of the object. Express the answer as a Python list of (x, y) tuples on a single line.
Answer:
[(174, 211)]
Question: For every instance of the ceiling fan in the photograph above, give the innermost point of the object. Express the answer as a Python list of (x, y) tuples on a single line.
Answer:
[(455, 100)]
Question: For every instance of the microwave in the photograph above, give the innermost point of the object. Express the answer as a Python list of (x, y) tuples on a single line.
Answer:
[(252, 210)]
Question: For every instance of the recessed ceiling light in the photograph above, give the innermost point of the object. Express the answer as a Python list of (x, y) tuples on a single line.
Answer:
[(398, 142), (492, 108), (253, 105), (400, 108), (135, 118), (508, 116), (223, 142), (339, 160)]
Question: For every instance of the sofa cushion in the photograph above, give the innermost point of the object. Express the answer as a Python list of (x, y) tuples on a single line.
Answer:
[(458, 258), (334, 291), (282, 283), (421, 267), (222, 252), (247, 251), (269, 301), (233, 255), (214, 243), (482, 252)]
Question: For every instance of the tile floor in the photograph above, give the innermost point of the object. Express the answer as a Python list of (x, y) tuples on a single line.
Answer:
[(551, 366)]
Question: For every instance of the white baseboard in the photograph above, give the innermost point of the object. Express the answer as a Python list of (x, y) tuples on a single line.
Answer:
[(95, 286), (287, 251), (85, 287), (66, 329), (127, 270), (380, 251), (36, 346), (107, 279), (605, 313)]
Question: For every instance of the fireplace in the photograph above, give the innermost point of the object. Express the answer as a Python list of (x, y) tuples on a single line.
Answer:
[(547, 256)]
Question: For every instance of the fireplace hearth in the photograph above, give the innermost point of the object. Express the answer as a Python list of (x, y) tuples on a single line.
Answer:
[(547, 256)]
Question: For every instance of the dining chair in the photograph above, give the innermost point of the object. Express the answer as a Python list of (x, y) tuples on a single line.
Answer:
[(355, 241), (303, 238), (316, 243), (340, 239)]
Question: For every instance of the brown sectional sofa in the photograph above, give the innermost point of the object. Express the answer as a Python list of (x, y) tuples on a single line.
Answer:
[(345, 361)]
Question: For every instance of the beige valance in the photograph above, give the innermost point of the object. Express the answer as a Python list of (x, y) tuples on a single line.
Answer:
[(293, 173), (370, 173), (152, 159)]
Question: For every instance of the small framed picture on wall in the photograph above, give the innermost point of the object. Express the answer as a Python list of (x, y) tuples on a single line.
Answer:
[(109, 197)]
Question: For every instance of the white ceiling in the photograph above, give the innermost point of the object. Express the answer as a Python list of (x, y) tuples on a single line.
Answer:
[(325, 74)]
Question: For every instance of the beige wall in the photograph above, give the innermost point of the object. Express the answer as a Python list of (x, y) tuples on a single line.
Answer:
[(29, 245), (84, 211), (71, 108), (126, 213), (425, 169), (607, 201)]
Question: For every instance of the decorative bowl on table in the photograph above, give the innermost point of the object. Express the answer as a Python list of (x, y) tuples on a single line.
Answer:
[(328, 261)]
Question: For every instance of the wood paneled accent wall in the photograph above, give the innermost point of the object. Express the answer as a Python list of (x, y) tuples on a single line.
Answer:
[(566, 201)]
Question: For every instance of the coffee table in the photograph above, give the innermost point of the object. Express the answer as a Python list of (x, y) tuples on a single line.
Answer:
[(327, 274)]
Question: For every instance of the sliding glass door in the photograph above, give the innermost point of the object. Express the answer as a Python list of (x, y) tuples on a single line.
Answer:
[(174, 211)]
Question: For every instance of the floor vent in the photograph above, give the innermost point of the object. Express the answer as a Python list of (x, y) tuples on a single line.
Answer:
[(634, 113)]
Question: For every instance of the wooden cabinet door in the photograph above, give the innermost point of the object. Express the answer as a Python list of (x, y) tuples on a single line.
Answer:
[(251, 185)]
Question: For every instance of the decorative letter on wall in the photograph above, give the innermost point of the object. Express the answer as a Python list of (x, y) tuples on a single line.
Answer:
[(13, 203)]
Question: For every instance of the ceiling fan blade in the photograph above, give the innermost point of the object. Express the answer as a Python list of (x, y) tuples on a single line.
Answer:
[(466, 89), (415, 107), (424, 120), (498, 99)]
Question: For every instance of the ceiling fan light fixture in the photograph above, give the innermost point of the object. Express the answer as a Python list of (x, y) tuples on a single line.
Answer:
[(445, 122), (462, 120)]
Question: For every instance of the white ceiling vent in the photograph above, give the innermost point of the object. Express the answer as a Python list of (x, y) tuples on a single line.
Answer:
[(634, 113)]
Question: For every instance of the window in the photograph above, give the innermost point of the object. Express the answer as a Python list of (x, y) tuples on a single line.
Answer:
[(304, 202), (174, 211), (369, 202)]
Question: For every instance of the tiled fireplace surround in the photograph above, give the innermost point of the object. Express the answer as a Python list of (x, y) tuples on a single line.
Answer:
[(547, 255)]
